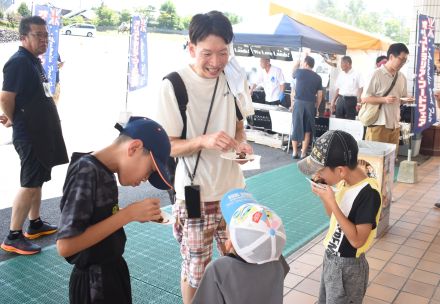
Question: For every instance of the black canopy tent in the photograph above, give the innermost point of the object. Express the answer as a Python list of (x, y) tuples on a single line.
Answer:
[(276, 36)]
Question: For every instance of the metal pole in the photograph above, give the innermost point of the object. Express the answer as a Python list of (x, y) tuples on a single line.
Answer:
[(413, 89), (128, 66)]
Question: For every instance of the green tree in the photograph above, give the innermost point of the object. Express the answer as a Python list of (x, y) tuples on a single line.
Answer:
[(184, 22), (124, 16), (75, 19), (233, 18), (396, 31), (23, 10), (149, 12), (370, 22), (168, 18), (13, 19), (328, 8), (106, 16), (354, 10)]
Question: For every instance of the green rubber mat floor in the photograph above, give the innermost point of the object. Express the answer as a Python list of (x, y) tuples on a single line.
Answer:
[(152, 253)]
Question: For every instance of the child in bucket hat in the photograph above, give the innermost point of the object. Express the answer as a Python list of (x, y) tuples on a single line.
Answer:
[(354, 214), (91, 234), (253, 271)]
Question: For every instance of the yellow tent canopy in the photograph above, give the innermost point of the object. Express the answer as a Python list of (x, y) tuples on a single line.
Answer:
[(353, 38)]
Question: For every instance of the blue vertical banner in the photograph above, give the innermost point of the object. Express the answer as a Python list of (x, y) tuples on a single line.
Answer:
[(138, 59), (425, 114), (49, 59)]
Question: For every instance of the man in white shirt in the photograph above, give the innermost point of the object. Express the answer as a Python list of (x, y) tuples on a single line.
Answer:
[(348, 93), (272, 79), (202, 175)]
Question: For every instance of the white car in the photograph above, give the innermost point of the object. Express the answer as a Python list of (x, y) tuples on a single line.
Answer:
[(80, 29)]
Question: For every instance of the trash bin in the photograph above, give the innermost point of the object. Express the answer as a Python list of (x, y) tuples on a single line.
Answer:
[(377, 159)]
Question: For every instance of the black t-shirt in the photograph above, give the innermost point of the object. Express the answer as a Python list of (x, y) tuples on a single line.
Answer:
[(308, 83), (90, 195), (21, 76)]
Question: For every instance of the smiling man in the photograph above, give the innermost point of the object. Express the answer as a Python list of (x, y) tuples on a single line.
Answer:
[(28, 107), (213, 124)]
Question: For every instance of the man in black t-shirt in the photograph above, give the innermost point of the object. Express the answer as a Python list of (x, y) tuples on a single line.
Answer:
[(28, 107), (308, 97)]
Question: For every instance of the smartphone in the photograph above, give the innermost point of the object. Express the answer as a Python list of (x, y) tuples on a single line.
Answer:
[(192, 201), (320, 186)]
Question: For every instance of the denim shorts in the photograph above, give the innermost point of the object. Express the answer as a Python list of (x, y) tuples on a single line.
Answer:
[(33, 174)]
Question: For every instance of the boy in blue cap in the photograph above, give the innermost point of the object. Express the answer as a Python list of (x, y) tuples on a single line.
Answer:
[(253, 270), (91, 234)]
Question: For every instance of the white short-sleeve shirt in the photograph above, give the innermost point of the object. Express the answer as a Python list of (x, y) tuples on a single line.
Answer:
[(349, 83), (271, 82)]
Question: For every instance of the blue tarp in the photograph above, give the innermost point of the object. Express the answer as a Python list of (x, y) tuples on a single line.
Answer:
[(282, 31)]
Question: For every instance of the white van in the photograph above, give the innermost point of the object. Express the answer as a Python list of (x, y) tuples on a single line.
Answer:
[(81, 29)]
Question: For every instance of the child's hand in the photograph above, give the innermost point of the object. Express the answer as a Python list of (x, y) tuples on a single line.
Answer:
[(325, 192), (145, 210)]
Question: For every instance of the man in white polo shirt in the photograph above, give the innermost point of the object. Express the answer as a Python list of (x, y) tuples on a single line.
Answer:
[(348, 93), (272, 79)]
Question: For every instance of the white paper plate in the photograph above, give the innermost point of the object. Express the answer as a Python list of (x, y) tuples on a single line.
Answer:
[(168, 219), (234, 156), (407, 99)]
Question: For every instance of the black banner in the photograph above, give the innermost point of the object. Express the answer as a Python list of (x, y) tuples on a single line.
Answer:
[(259, 51)]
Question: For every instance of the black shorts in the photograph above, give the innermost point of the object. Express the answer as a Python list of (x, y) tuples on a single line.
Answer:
[(33, 174), (103, 283)]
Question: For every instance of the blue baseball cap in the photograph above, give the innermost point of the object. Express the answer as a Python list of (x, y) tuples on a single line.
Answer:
[(232, 200), (156, 141)]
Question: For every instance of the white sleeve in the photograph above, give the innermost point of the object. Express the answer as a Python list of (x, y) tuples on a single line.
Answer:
[(167, 110), (360, 81), (281, 77)]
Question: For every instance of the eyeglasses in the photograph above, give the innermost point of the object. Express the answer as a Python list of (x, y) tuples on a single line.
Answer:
[(40, 36), (403, 60)]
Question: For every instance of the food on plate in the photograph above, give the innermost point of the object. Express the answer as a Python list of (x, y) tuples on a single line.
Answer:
[(241, 155)]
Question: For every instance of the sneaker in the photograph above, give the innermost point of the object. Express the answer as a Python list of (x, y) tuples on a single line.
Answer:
[(45, 229), (20, 245)]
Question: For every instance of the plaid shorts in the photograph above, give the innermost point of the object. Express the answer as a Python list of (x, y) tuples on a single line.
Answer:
[(195, 237)]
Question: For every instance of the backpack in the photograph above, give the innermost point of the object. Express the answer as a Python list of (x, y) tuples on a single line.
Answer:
[(182, 100)]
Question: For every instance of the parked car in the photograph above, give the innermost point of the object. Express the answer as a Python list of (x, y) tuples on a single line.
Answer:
[(80, 29)]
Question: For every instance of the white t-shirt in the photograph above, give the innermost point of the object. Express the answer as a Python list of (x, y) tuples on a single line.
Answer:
[(271, 82), (349, 83), (215, 175)]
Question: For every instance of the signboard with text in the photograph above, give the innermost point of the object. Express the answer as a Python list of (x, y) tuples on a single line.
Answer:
[(49, 60), (425, 114)]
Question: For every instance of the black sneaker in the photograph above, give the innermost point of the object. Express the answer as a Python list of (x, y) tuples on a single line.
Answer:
[(20, 245), (45, 229)]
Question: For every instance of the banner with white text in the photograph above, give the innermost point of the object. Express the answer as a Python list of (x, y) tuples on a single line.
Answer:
[(425, 114), (49, 59), (138, 59)]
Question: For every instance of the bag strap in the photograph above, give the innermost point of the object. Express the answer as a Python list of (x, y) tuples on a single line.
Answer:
[(181, 96), (192, 177), (237, 109), (391, 87)]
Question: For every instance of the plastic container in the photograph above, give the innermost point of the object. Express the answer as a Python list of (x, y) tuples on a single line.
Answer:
[(377, 159)]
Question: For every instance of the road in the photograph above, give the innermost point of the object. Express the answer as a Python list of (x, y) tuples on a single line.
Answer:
[(93, 93)]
